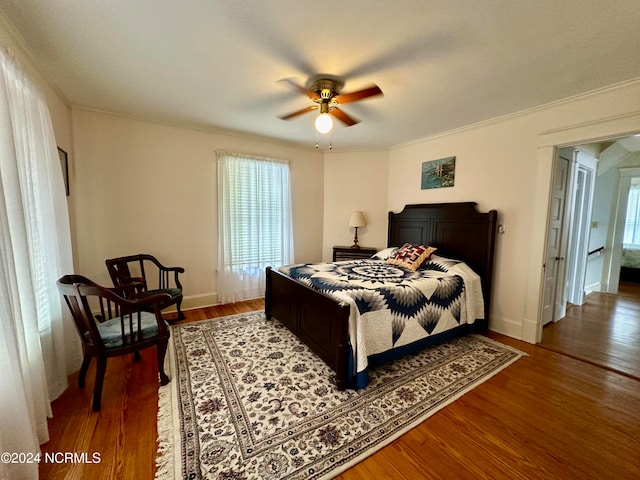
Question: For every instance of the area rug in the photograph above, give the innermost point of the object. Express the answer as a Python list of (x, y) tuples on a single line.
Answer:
[(247, 400)]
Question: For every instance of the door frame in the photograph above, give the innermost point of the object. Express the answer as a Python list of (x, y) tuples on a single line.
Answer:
[(581, 204)]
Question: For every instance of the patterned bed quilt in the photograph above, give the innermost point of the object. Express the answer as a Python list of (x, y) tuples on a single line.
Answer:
[(393, 307)]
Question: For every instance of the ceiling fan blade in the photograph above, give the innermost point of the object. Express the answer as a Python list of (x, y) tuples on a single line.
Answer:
[(358, 95), (299, 112), (343, 117), (301, 89)]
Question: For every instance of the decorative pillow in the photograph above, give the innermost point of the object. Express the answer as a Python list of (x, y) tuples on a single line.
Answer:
[(385, 254), (411, 256)]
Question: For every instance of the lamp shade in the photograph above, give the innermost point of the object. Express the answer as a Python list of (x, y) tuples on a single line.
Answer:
[(357, 219)]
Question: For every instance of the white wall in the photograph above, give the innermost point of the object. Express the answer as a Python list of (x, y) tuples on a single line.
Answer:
[(355, 181), (146, 187), (603, 203)]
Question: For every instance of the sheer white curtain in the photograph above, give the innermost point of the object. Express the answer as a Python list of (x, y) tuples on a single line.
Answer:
[(255, 227), (38, 345), (632, 222)]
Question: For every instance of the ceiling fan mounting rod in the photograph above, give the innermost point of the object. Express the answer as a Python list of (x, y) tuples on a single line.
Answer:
[(326, 88)]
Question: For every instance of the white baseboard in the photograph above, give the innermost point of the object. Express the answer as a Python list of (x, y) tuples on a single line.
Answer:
[(196, 301), (594, 287), (529, 331), (200, 301), (513, 329)]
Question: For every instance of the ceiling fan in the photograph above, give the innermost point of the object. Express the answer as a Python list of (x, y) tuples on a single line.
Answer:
[(324, 91)]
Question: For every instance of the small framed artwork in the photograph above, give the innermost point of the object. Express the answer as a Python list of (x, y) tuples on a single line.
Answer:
[(64, 163), (438, 173)]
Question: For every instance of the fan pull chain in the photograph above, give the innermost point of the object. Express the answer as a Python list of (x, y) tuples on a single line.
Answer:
[(330, 142)]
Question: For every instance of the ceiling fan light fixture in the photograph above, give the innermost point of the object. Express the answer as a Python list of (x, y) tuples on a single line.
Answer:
[(324, 123), (325, 92)]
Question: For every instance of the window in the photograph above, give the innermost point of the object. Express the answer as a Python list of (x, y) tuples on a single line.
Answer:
[(631, 237), (254, 223)]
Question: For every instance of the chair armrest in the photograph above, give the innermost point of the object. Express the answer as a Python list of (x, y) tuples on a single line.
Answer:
[(140, 304), (153, 259), (131, 289), (156, 299), (175, 270)]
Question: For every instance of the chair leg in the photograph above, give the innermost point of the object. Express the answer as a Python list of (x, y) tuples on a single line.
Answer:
[(162, 350), (83, 370), (180, 314), (97, 391)]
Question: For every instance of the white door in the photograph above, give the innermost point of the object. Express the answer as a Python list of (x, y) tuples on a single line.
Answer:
[(583, 182), (554, 307)]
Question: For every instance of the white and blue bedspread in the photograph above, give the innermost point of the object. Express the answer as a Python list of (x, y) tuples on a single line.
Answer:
[(393, 307)]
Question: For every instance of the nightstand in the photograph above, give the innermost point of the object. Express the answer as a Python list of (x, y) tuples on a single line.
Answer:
[(348, 253)]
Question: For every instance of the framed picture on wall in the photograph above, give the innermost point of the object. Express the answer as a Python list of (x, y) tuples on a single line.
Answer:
[(64, 164), (438, 173)]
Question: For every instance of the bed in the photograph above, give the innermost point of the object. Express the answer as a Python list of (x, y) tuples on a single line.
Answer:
[(322, 320)]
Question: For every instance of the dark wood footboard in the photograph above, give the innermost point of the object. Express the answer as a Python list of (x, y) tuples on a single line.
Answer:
[(318, 320)]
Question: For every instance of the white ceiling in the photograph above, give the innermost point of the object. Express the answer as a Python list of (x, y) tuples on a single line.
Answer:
[(442, 64)]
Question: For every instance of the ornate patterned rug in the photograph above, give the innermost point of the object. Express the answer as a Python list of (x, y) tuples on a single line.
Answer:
[(247, 400)]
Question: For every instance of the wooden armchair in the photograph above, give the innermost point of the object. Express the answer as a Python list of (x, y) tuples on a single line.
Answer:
[(110, 325), (154, 277)]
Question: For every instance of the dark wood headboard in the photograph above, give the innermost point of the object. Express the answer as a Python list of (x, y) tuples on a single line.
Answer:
[(458, 230)]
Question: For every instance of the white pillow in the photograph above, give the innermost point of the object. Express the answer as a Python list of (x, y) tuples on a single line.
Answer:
[(384, 254)]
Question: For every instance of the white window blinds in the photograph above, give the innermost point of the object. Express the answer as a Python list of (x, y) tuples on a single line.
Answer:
[(254, 223)]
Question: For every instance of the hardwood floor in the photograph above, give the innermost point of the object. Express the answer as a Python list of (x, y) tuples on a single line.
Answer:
[(546, 416), (604, 331)]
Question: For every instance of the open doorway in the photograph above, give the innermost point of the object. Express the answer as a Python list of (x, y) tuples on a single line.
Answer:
[(569, 327)]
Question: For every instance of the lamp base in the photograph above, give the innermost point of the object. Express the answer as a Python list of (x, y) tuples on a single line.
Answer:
[(355, 240)]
